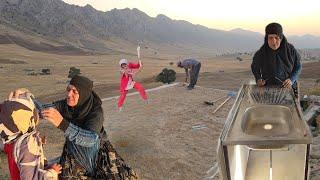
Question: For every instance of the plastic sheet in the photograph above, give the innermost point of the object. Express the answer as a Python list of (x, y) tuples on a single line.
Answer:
[(85, 156)]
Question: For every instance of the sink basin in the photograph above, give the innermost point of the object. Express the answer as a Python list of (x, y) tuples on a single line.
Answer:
[(267, 120)]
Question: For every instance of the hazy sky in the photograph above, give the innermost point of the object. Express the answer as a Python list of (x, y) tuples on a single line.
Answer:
[(297, 17)]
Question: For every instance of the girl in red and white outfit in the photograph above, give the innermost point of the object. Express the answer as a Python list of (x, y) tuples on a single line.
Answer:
[(127, 71)]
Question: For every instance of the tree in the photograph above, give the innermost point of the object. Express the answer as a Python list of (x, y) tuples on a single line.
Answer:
[(239, 58), (73, 72), (45, 71), (166, 76)]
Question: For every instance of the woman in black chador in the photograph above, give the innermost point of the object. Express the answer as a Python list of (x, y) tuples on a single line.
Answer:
[(277, 62), (87, 153)]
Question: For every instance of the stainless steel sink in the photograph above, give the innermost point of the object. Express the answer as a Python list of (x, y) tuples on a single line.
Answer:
[(267, 120), (264, 136)]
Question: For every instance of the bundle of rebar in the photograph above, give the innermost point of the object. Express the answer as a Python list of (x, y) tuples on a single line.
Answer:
[(269, 95)]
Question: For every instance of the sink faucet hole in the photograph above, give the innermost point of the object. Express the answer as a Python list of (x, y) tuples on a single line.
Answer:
[(267, 127)]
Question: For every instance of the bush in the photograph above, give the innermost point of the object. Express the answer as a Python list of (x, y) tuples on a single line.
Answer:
[(166, 76), (28, 70), (45, 72), (73, 72), (314, 91), (239, 58), (32, 73)]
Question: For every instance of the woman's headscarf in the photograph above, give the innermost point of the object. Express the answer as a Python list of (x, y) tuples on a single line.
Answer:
[(18, 116), (268, 57), (88, 101)]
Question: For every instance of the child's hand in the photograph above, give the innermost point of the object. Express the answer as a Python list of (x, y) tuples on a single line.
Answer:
[(122, 71), (56, 167)]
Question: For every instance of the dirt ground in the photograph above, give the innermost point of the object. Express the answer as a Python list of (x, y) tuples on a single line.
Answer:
[(172, 137), (160, 139)]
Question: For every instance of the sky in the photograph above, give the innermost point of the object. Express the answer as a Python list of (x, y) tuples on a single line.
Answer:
[(297, 17)]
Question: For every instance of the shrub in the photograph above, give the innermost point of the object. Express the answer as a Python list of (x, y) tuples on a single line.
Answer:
[(314, 91), (239, 58), (28, 70), (32, 73), (73, 72), (166, 76), (45, 72)]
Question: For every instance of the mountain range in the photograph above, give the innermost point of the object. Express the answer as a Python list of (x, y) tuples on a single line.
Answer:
[(55, 26)]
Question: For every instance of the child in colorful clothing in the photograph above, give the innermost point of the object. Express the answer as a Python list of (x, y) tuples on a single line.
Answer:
[(22, 143), (127, 71)]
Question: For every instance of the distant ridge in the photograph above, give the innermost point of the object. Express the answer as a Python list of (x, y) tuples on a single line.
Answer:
[(83, 29)]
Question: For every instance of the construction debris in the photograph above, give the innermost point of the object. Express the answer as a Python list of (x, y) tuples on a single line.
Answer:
[(211, 103), (199, 126), (212, 172), (229, 96)]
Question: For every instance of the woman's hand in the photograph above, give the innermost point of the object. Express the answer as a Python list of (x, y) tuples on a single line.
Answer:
[(53, 116), (287, 83), (56, 167)]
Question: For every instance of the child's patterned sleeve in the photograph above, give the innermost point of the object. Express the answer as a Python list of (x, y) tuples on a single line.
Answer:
[(30, 159)]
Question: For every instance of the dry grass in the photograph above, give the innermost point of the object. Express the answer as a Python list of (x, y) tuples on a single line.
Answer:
[(314, 91), (102, 69)]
